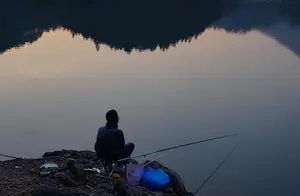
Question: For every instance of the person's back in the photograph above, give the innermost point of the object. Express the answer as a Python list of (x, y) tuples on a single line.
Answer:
[(110, 144)]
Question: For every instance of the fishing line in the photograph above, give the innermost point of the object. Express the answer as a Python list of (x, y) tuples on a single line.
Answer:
[(157, 158), (212, 173)]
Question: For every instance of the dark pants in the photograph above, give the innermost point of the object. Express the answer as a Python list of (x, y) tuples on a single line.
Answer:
[(111, 156), (128, 150)]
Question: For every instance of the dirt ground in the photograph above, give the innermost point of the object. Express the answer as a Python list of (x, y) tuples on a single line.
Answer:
[(19, 177)]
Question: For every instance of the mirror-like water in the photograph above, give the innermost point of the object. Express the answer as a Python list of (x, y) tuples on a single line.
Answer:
[(240, 74)]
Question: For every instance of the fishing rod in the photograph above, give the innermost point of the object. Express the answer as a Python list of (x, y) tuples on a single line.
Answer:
[(8, 156), (178, 146), (212, 173)]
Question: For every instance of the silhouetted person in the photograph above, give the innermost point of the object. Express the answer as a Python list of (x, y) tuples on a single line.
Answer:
[(110, 145)]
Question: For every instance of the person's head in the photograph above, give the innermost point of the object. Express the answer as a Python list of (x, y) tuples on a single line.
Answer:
[(112, 116)]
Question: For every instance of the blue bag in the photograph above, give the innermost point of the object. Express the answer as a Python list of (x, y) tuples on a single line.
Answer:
[(155, 179)]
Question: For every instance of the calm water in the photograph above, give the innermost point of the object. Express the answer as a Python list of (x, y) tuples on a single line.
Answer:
[(241, 74)]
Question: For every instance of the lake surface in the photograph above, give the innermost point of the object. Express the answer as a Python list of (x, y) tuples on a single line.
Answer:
[(240, 74)]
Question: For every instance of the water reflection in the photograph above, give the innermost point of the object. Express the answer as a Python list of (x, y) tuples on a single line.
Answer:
[(133, 25), (54, 92), (279, 22), (120, 25)]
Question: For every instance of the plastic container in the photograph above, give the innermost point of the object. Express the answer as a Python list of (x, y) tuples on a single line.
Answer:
[(134, 173), (155, 179), (96, 170), (48, 168)]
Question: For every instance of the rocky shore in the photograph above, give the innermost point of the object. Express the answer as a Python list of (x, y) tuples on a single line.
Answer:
[(22, 177)]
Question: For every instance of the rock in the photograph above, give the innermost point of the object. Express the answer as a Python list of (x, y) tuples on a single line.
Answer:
[(65, 179), (52, 154), (33, 171), (79, 174), (45, 192), (67, 155), (52, 192), (70, 161), (147, 194), (70, 179), (91, 155), (97, 193), (120, 188), (85, 161), (169, 190)]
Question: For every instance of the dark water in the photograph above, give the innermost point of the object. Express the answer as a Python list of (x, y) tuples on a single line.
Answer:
[(176, 72)]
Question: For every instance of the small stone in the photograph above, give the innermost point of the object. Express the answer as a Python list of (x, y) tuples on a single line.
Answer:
[(67, 155), (97, 193), (147, 194), (65, 179), (71, 161), (169, 190), (95, 159), (33, 171)]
